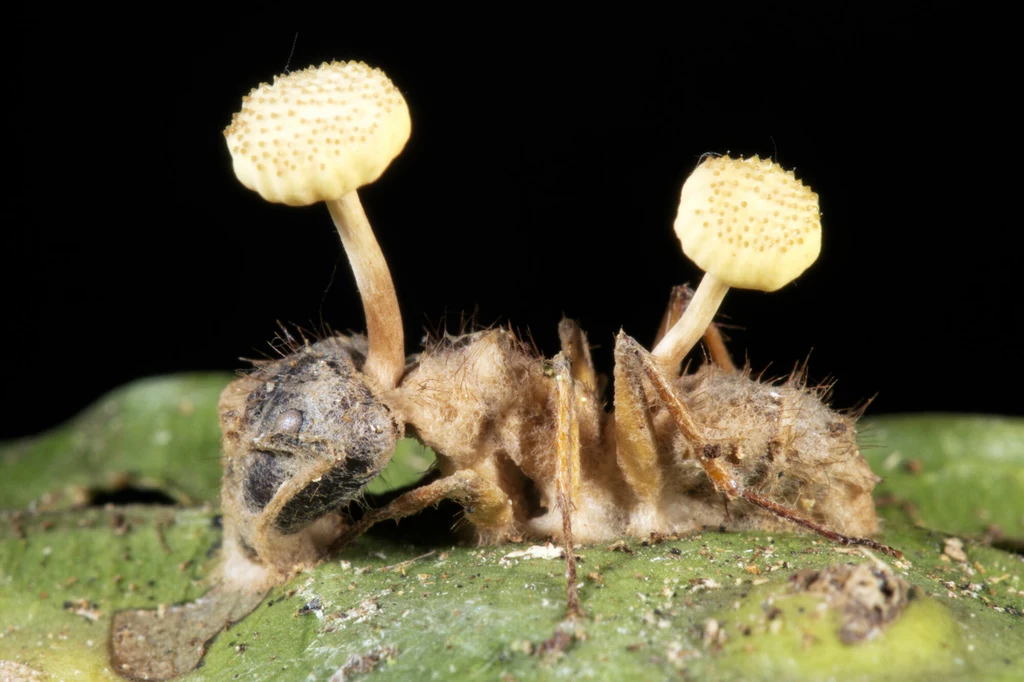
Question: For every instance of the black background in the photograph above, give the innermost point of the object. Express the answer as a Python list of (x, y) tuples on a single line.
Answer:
[(542, 177)]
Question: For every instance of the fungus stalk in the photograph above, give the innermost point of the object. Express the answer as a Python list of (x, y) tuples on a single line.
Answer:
[(385, 360), (689, 328)]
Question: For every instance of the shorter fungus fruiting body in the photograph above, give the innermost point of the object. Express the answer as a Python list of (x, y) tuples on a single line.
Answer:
[(748, 223)]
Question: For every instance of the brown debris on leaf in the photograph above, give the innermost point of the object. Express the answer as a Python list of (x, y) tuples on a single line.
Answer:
[(868, 596), (9, 670), (84, 608), (713, 634), (158, 644), (364, 663), (556, 645), (954, 549)]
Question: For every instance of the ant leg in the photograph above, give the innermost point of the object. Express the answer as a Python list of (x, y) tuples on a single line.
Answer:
[(678, 299), (567, 470), (715, 344), (635, 446), (280, 535), (576, 349), (721, 475), (487, 504), (790, 515), (713, 341), (272, 541)]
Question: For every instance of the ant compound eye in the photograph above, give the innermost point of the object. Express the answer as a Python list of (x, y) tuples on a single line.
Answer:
[(289, 421)]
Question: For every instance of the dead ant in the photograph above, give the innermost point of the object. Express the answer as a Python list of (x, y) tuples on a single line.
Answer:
[(523, 442)]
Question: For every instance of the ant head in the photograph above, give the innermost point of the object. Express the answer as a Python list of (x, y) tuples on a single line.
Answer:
[(303, 435)]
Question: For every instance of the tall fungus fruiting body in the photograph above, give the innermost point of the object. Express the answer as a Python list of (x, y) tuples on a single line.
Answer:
[(485, 402), (302, 435)]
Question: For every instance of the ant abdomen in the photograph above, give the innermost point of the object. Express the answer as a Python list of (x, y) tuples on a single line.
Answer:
[(785, 443), (302, 436)]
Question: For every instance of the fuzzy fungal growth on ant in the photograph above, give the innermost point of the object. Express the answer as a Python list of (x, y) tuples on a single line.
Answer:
[(525, 443)]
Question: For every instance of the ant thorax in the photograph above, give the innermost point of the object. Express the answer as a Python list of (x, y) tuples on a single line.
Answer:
[(783, 442), (486, 402)]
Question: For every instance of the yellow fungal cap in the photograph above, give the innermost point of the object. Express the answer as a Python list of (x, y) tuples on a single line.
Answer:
[(317, 134), (748, 222)]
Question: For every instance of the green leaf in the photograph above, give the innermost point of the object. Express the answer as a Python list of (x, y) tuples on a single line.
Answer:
[(414, 612), (960, 474), (407, 466), (159, 433), (463, 611)]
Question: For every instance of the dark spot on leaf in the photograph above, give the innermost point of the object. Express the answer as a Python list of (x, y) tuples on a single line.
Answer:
[(130, 494), (554, 646), (312, 605), (1013, 545)]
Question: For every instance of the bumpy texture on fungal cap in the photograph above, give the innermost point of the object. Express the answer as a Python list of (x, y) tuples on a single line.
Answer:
[(317, 134), (748, 222)]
